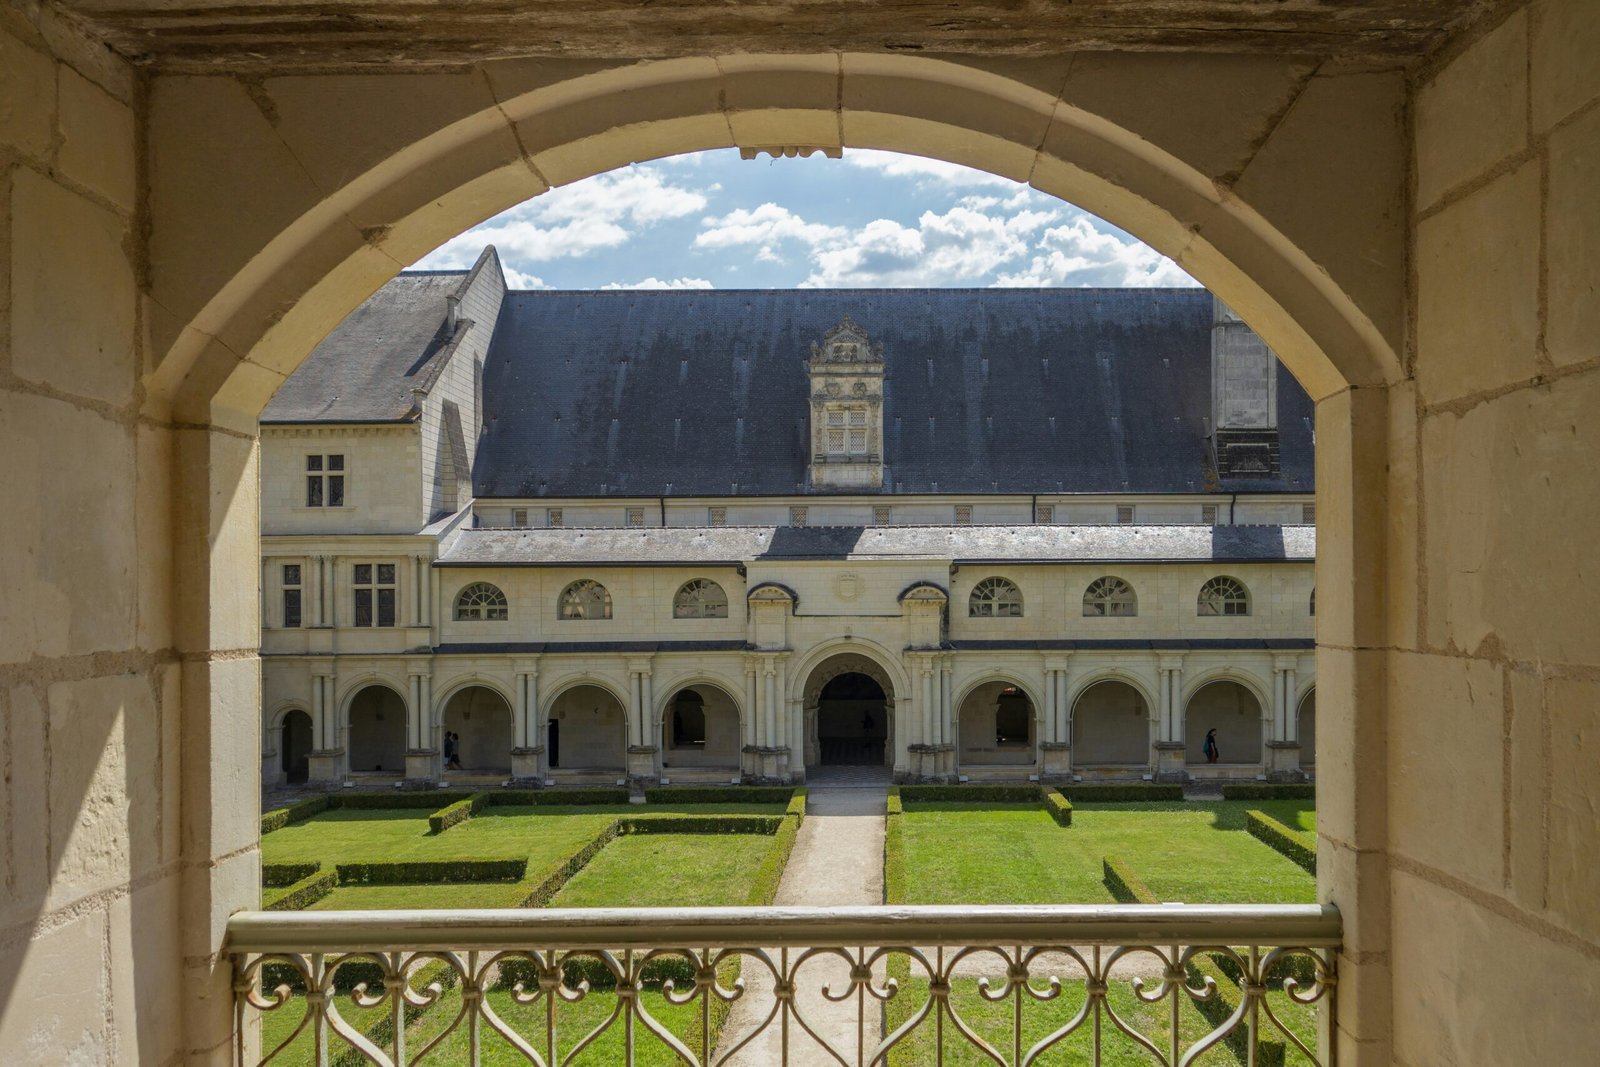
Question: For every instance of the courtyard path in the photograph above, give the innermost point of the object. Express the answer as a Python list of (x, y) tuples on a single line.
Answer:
[(837, 860)]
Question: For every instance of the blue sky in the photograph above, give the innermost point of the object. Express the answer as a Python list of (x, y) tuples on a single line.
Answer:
[(713, 220)]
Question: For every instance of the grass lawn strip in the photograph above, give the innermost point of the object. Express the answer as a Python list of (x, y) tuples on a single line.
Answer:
[(1298, 845)]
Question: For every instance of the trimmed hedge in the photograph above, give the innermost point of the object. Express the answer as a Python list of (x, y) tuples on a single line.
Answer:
[(459, 812), (764, 886), (1058, 807), (1268, 791), (509, 798), (894, 854), (306, 892), (425, 798), (543, 886), (1115, 794), (719, 794), (278, 818), (432, 871), (278, 875), (1220, 1007), (1296, 844), (1126, 886), (974, 794), (699, 824)]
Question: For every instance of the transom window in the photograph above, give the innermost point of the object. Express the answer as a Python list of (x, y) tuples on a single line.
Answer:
[(584, 599), (374, 589), (1109, 596), (1223, 596), (700, 599), (482, 602), (292, 594), (995, 598), (325, 481)]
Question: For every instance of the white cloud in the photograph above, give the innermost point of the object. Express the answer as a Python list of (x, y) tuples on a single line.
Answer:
[(766, 227), (1077, 254), (575, 220), (656, 283), (516, 279), (964, 245), (924, 171)]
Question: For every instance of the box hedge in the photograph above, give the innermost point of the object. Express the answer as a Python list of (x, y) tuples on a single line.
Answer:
[(1126, 886), (1058, 806), (969, 794), (719, 794), (1218, 1009), (1128, 793), (278, 818), (764, 886), (278, 875), (306, 892), (507, 798), (1268, 791), (700, 824), (432, 871), (1298, 845), (894, 852), (458, 812)]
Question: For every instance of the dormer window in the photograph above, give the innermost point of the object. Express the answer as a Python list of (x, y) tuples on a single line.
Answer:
[(846, 372), (325, 481)]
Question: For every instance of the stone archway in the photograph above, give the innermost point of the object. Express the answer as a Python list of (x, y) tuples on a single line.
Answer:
[(294, 746), (1234, 710), (375, 735), (1308, 729), (481, 720), (587, 730), (849, 713), (997, 728), (701, 727), (1111, 726)]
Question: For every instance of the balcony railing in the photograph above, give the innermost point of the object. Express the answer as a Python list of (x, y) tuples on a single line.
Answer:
[(853, 986)]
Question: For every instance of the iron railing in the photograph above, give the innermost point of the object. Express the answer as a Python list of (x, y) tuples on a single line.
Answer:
[(856, 986)]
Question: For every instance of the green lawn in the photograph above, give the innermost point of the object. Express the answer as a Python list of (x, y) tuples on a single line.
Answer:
[(668, 870), (1015, 854), (390, 897)]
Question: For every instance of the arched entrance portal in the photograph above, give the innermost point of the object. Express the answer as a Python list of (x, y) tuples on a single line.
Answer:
[(1111, 727), (1308, 730), (700, 728), (588, 731), (997, 728), (481, 720), (294, 746), (849, 703), (376, 740), (1234, 712)]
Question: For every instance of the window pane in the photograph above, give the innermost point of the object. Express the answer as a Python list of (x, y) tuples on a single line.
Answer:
[(335, 491), (386, 574), (291, 574), (314, 491), (313, 463), (336, 463), (386, 607), (363, 607), (363, 574), (291, 607)]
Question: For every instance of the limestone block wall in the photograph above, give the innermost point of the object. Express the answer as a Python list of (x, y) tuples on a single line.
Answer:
[(452, 410), (1494, 686), (95, 838), (382, 472)]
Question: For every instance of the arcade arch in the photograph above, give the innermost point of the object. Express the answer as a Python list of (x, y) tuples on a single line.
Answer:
[(375, 731), (587, 729), (480, 717), (1111, 726), (997, 726), (294, 746), (849, 712), (1307, 728), (700, 726), (1233, 709)]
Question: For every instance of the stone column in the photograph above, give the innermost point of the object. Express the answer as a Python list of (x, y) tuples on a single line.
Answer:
[(421, 766), (1282, 744), (641, 753), (327, 754), (313, 594), (750, 722), (1171, 764), (1055, 752), (527, 733), (947, 724), (266, 598)]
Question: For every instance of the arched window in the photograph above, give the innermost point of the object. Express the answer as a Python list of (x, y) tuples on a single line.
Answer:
[(995, 598), (584, 599), (1109, 596), (481, 601), (700, 599), (1223, 596)]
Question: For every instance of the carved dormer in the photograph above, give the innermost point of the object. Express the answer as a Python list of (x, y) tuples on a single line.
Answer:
[(846, 373), (1244, 398)]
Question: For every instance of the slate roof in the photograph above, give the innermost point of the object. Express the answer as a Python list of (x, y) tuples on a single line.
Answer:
[(365, 369), (731, 545), (704, 393)]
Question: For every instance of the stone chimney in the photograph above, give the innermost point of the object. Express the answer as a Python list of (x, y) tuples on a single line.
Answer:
[(1244, 398)]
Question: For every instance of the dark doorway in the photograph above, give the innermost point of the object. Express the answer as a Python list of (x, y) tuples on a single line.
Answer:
[(295, 747), (555, 743), (852, 722)]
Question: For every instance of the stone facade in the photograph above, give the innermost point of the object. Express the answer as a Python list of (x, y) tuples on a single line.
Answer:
[(1413, 231)]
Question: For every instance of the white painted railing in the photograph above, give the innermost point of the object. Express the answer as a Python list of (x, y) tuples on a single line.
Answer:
[(854, 986)]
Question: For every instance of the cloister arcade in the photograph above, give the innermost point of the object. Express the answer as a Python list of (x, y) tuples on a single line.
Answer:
[(1411, 228)]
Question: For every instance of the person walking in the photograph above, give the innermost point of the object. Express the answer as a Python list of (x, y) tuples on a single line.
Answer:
[(1210, 747), (451, 760)]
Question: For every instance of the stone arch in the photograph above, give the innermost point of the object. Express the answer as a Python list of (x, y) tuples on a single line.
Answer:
[(374, 717), (289, 742), (1306, 719), (1111, 722), (1233, 705), (867, 721), (480, 716), (985, 736), (800, 676), (721, 735), (586, 726)]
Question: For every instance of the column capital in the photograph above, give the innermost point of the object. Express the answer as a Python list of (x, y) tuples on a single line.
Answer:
[(1058, 661), (1286, 661), (526, 666), (1171, 661), (640, 665)]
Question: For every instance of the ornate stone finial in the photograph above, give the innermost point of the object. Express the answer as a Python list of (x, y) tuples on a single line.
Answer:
[(847, 343)]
